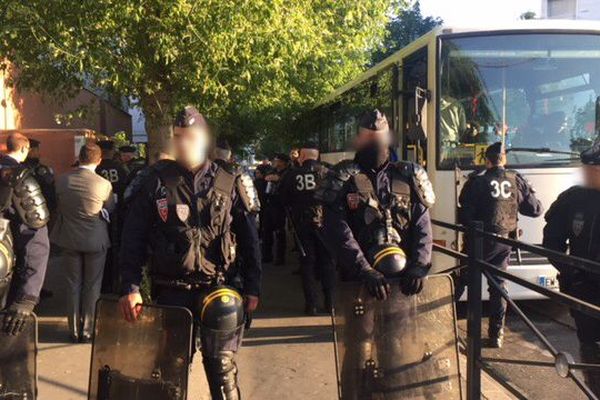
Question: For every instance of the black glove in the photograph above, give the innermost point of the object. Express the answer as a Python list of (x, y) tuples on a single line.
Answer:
[(16, 317), (412, 279), (376, 283)]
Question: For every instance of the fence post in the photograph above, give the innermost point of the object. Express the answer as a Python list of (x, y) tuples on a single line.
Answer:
[(475, 252)]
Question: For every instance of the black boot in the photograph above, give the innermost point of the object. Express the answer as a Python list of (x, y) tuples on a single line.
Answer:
[(221, 372), (590, 354), (496, 337)]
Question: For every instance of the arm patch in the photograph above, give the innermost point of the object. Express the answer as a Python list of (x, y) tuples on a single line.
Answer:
[(420, 182)]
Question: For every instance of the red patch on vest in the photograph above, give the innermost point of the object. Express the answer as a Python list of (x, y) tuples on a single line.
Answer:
[(163, 209), (353, 200)]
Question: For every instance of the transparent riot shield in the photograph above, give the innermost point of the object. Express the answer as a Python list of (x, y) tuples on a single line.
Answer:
[(401, 348), (145, 360), (18, 374)]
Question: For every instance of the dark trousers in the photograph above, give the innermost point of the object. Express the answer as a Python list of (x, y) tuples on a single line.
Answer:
[(218, 354), (316, 265), (274, 234), (498, 255)]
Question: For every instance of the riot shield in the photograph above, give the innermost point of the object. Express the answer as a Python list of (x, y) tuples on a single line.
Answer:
[(401, 348), (145, 360), (18, 374)]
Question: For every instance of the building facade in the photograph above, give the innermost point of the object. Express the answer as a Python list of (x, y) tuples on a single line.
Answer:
[(571, 9), (86, 110)]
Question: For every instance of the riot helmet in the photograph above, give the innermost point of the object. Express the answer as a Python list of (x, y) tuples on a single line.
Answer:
[(388, 258)]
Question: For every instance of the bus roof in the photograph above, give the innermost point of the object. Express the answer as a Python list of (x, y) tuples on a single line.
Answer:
[(544, 25)]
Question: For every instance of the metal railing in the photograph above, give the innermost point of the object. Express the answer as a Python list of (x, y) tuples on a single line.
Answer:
[(564, 363)]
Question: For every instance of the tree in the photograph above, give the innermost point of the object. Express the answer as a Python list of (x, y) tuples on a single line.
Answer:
[(247, 64), (404, 29)]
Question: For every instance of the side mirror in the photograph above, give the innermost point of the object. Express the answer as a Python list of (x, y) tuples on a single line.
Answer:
[(418, 125)]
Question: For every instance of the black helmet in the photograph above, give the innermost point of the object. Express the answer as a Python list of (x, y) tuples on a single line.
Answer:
[(222, 310), (389, 259)]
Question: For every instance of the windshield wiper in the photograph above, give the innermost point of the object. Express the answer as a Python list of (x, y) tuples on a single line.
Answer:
[(541, 150)]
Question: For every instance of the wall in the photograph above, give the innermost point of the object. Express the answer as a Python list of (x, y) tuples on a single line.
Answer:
[(571, 9), (35, 111)]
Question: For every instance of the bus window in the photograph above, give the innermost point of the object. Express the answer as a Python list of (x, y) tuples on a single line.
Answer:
[(414, 71), (537, 93)]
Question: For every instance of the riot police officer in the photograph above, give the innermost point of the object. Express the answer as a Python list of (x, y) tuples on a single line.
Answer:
[(496, 196), (274, 215), (42, 173), (373, 204), (23, 232), (111, 169), (192, 213), (298, 195), (572, 226), (376, 221), (114, 172), (131, 163)]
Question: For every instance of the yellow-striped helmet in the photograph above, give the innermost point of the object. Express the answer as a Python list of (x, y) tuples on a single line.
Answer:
[(389, 259)]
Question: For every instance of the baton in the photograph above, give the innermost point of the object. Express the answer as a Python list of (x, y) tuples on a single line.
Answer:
[(295, 233)]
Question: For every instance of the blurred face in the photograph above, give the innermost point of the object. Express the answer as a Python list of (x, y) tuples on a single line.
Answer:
[(191, 146), (368, 137), (591, 176)]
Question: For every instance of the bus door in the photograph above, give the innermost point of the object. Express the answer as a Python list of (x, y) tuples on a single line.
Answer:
[(415, 96)]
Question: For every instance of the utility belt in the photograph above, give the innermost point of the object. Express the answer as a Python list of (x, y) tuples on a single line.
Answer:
[(187, 284)]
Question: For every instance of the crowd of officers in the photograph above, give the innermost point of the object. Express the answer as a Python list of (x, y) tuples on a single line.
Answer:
[(194, 219)]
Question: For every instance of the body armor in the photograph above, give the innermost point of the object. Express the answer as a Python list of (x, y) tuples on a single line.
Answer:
[(500, 201), (192, 236), (28, 199), (7, 255), (305, 209)]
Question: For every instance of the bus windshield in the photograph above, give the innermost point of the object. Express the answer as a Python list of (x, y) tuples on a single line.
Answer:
[(537, 93)]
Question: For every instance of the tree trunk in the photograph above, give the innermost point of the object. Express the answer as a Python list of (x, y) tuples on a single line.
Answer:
[(159, 128)]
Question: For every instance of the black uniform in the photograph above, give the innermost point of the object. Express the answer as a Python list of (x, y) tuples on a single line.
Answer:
[(274, 222), (188, 224), (496, 197), (360, 205), (25, 209), (114, 172), (261, 187), (298, 194), (573, 225)]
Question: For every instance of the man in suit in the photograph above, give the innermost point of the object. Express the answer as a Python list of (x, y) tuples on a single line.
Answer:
[(84, 201)]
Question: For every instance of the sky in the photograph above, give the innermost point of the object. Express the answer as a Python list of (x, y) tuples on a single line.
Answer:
[(478, 12)]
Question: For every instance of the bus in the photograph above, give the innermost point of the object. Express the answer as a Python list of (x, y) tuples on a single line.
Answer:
[(533, 85)]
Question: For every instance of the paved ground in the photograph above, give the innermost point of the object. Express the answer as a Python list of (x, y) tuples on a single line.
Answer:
[(521, 344), (285, 355)]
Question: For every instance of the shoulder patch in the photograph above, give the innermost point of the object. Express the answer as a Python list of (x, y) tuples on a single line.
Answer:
[(419, 179), (247, 192)]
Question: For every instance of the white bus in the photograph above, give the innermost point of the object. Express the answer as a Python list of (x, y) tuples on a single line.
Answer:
[(534, 85)]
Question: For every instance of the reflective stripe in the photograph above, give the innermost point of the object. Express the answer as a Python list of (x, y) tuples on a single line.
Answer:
[(386, 252), (216, 294)]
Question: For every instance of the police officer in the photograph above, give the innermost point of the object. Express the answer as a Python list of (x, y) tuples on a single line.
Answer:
[(42, 173), (298, 195), (192, 212), (111, 169), (132, 164), (24, 216), (377, 223), (573, 226), (260, 184), (495, 197), (274, 215), (373, 204)]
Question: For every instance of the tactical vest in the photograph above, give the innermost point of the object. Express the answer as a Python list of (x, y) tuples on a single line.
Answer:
[(192, 236), (306, 210), (378, 223), (7, 255), (500, 206)]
